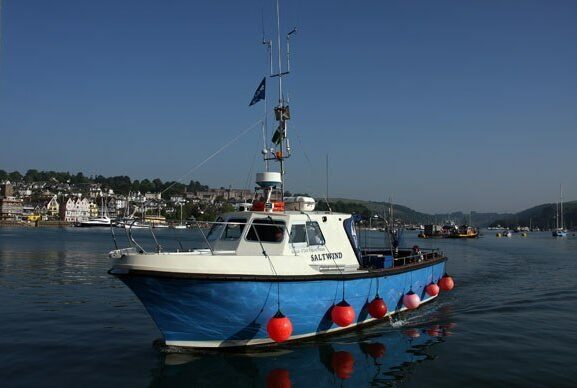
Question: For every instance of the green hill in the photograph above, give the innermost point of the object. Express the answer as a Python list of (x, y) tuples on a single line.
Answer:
[(542, 216), (405, 214)]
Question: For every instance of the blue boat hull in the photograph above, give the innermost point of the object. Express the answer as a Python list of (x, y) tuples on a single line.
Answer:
[(222, 313)]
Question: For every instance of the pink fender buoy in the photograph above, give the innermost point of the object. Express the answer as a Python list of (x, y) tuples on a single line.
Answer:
[(411, 300), (446, 283), (377, 308), (279, 327), (432, 289), (343, 314)]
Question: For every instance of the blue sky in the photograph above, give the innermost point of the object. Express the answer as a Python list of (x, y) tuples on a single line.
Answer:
[(445, 105)]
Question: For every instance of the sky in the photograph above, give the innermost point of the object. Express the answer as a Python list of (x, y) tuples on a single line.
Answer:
[(444, 105)]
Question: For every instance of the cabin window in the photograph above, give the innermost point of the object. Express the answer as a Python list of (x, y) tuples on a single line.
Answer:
[(216, 230), (266, 230), (314, 234), (233, 229), (298, 234), (309, 233)]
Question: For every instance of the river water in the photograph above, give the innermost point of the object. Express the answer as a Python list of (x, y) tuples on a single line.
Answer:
[(509, 322)]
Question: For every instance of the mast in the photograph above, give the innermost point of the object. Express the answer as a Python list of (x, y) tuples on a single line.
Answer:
[(561, 205), (271, 183), (268, 44), (282, 112), (557, 215)]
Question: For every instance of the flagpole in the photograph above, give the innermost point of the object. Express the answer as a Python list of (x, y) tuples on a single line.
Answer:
[(268, 43)]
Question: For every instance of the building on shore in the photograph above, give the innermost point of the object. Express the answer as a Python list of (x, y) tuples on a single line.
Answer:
[(10, 206), (75, 209), (222, 194)]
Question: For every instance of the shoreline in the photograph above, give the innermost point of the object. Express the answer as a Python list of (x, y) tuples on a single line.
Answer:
[(36, 224)]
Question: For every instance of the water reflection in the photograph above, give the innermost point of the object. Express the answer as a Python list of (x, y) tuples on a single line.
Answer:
[(378, 356)]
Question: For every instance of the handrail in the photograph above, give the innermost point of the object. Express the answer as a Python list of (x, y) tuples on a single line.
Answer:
[(158, 247), (209, 242), (113, 235), (204, 236), (129, 232)]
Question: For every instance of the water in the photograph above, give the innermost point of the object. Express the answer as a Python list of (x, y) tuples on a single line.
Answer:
[(510, 321)]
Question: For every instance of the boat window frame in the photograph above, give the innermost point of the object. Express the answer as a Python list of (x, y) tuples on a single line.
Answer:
[(239, 222), (281, 224), (316, 227), (217, 227), (291, 234), (308, 226)]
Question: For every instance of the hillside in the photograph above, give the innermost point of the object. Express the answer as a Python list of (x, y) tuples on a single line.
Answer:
[(408, 215), (542, 216)]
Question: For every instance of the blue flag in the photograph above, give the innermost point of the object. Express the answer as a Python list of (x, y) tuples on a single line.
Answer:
[(259, 94)]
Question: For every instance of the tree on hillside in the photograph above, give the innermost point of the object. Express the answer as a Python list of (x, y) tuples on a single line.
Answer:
[(157, 184), (14, 176), (146, 186), (31, 176)]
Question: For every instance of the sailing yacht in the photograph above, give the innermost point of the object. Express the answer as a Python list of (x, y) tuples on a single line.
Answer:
[(102, 221), (559, 230)]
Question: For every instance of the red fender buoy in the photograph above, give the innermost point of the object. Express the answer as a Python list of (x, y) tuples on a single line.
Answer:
[(432, 289), (446, 283), (411, 300), (343, 364), (278, 378), (279, 327), (377, 308), (343, 314), (375, 349)]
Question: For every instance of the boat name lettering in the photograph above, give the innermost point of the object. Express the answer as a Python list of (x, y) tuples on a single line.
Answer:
[(326, 256)]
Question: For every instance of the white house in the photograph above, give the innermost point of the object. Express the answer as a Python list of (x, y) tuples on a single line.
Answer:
[(76, 210)]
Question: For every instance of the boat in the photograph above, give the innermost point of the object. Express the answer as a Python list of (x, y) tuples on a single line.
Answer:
[(464, 231), (181, 225), (102, 221), (432, 231), (132, 223), (276, 273), (559, 230)]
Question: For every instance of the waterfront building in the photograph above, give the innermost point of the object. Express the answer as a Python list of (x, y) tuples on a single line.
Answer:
[(10, 208), (52, 207), (75, 209), (214, 195), (153, 196), (94, 211), (6, 189)]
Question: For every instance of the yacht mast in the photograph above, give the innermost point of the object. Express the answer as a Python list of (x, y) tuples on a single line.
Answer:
[(561, 205)]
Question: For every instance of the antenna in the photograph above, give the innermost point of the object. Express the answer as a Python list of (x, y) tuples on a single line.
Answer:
[(268, 44), (327, 187), (288, 49), (282, 112)]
